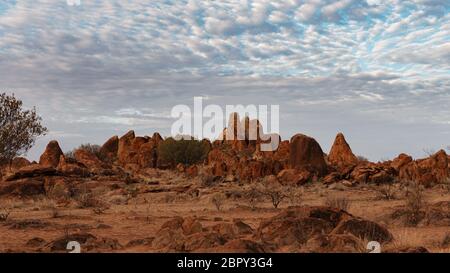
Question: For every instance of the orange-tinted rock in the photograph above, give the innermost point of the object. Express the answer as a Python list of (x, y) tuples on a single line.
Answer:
[(147, 155), (51, 155), (400, 161), (34, 170), (157, 138), (306, 153), (71, 167), (19, 162), (23, 187), (109, 149), (123, 150), (192, 171), (88, 159), (294, 177), (56, 187), (377, 173), (341, 154), (364, 229), (332, 178)]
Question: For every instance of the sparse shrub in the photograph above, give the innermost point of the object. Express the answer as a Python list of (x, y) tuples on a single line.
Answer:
[(99, 210), (276, 192), (415, 203), (55, 212), (387, 191), (362, 158), (183, 151), (446, 240), (210, 180), (338, 202), (254, 196), (218, 200), (429, 151), (91, 148), (86, 199), (4, 213), (295, 196)]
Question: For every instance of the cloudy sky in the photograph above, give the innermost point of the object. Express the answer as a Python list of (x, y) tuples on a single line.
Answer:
[(376, 70)]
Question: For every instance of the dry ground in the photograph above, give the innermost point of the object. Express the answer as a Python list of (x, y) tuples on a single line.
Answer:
[(137, 211)]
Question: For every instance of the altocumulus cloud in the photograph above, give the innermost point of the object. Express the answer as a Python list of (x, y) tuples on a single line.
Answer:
[(376, 70)]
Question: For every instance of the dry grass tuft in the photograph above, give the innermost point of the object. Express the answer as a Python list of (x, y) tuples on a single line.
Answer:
[(338, 202)]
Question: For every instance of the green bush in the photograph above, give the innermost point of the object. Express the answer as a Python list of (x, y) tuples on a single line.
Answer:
[(183, 151)]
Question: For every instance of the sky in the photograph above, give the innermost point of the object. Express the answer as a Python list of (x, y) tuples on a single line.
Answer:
[(376, 70)]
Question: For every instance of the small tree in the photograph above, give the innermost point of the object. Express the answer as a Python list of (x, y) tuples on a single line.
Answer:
[(18, 128), (275, 191), (217, 200)]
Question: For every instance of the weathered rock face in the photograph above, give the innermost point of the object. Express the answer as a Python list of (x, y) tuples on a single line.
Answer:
[(306, 153), (428, 171), (123, 151), (139, 152), (109, 149), (34, 170), (222, 162), (294, 177), (23, 187), (71, 167), (51, 155), (147, 156), (437, 165), (400, 161), (341, 154), (19, 162), (89, 160), (377, 173)]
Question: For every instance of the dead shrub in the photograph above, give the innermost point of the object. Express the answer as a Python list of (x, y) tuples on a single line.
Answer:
[(387, 191), (4, 213), (415, 203), (295, 196), (276, 192), (446, 240), (254, 196), (338, 202), (218, 200)]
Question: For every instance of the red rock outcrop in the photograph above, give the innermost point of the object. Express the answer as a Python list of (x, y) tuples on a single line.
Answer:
[(306, 153), (109, 149), (51, 155), (341, 154)]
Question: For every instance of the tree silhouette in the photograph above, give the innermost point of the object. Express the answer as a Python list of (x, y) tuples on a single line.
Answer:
[(19, 128)]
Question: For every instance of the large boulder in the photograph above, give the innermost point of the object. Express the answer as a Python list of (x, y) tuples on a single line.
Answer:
[(306, 153), (341, 154), (109, 149), (148, 154), (89, 160), (34, 170), (364, 229), (52, 154), (296, 225), (19, 162), (71, 167), (23, 187), (123, 151), (400, 161)]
